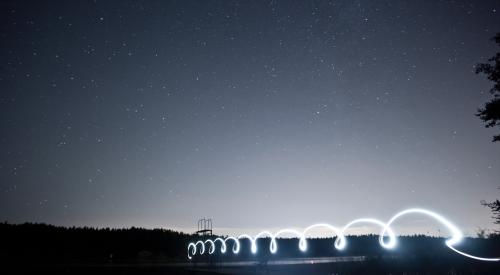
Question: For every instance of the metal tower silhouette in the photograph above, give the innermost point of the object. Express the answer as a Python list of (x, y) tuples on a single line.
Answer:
[(204, 227)]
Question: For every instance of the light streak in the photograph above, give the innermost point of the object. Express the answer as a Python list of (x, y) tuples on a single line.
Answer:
[(340, 240)]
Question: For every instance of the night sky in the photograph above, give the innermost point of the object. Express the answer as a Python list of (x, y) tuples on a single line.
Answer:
[(257, 114)]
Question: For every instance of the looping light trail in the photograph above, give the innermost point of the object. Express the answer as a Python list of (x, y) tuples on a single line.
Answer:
[(340, 240)]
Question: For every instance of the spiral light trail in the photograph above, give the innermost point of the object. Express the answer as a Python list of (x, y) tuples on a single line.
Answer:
[(340, 241)]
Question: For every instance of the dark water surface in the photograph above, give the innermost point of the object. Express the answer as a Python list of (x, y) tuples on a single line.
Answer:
[(320, 265)]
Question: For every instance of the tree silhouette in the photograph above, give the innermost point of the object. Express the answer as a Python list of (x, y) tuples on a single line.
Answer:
[(490, 113), (495, 208)]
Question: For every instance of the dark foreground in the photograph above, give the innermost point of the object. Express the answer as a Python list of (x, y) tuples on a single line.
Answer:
[(45, 249), (359, 265)]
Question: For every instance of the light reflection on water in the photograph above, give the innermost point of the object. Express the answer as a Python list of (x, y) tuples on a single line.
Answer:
[(291, 261)]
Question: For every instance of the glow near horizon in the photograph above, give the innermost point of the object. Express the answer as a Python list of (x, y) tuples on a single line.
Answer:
[(340, 241)]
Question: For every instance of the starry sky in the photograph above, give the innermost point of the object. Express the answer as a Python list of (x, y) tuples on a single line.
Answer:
[(258, 114)]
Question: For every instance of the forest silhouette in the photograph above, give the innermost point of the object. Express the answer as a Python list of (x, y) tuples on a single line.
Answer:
[(48, 243)]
